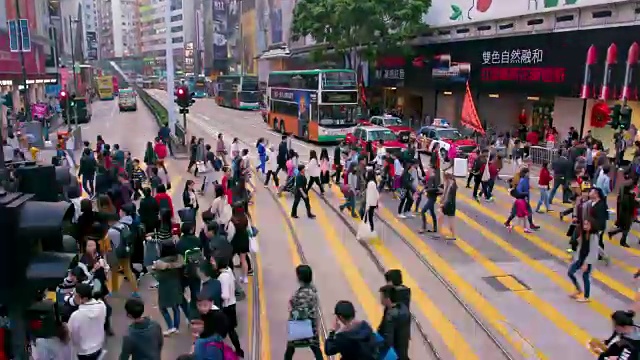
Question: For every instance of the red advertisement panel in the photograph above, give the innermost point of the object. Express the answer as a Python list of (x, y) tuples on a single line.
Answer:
[(10, 62), (27, 11)]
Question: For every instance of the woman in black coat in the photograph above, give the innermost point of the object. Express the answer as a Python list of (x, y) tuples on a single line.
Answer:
[(625, 209)]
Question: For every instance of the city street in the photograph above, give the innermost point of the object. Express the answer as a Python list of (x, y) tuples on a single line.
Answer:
[(132, 130), (490, 294)]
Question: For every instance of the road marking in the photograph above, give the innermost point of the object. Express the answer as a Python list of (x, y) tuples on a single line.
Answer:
[(542, 244), (490, 313), (561, 234), (449, 334)]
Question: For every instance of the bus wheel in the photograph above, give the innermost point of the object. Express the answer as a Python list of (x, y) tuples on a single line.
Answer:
[(282, 127), (305, 134), (275, 125)]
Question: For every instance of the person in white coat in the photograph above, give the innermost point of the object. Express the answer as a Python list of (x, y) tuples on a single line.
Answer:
[(313, 171), (86, 324), (272, 167), (371, 197)]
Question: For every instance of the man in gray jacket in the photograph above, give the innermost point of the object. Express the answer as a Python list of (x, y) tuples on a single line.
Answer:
[(144, 338)]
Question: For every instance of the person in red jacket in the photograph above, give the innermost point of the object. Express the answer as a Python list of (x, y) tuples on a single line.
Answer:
[(544, 182), (161, 153), (163, 199)]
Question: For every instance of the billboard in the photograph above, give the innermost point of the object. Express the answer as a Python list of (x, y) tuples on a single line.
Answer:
[(541, 63), (92, 45), (457, 12), (249, 32)]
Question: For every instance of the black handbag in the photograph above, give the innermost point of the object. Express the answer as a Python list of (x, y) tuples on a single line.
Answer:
[(571, 230)]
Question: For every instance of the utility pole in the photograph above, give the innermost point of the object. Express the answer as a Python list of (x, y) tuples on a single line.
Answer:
[(170, 70), (27, 105), (73, 69), (242, 71)]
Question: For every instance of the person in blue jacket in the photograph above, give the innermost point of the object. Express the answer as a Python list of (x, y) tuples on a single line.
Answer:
[(262, 154), (522, 191)]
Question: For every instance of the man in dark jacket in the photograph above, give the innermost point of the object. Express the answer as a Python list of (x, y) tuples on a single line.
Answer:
[(301, 193), (144, 338), (562, 172), (403, 293), (395, 326), (350, 338), (283, 152), (87, 171)]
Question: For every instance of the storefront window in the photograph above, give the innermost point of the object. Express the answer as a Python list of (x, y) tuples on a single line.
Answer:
[(542, 114)]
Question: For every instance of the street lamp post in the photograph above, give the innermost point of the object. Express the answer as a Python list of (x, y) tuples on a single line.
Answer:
[(27, 106), (73, 21), (170, 70)]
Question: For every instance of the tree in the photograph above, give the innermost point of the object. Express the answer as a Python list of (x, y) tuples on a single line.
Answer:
[(369, 26)]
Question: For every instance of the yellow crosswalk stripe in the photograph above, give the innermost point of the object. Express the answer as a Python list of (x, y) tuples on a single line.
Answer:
[(488, 312)]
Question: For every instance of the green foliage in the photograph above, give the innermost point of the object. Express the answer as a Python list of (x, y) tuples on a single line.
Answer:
[(158, 111), (377, 25)]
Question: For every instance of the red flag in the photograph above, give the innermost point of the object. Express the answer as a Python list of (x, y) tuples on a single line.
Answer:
[(361, 87), (469, 115)]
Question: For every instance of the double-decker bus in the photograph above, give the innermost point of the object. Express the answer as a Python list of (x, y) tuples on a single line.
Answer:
[(315, 105), (238, 92), (104, 86), (198, 86)]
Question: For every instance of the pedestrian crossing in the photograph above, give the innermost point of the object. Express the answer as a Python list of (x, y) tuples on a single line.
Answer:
[(514, 282)]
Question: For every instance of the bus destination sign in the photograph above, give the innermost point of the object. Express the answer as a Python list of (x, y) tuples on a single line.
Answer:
[(282, 94), (348, 97)]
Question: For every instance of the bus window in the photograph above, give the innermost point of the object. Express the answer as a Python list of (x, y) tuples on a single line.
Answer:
[(339, 80), (337, 114), (249, 84)]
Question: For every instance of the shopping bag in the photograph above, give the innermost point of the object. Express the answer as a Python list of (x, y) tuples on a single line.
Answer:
[(202, 168), (364, 231), (254, 247), (299, 329)]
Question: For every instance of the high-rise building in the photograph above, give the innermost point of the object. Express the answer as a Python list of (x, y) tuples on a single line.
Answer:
[(118, 35), (90, 28), (153, 30)]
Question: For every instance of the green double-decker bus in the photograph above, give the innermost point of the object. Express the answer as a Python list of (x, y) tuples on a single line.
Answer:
[(238, 92)]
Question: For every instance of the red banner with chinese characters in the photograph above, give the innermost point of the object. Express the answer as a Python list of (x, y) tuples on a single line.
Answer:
[(469, 115)]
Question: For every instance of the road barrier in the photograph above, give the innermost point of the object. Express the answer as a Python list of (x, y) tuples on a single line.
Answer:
[(161, 115)]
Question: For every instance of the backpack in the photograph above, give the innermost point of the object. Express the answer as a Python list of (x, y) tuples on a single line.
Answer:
[(192, 260), (227, 351), (123, 250)]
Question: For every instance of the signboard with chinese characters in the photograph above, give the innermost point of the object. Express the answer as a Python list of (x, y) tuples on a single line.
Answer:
[(541, 64), (458, 12), (283, 94)]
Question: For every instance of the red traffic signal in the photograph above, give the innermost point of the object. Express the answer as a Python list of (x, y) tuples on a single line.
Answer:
[(63, 94), (180, 91)]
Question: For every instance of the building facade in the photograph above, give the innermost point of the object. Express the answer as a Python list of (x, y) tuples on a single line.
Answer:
[(119, 28), (182, 27)]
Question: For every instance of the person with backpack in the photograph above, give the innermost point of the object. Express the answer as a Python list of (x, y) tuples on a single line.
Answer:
[(121, 234), (350, 338), (189, 249), (143, 340), (164, 200), (167, 270)]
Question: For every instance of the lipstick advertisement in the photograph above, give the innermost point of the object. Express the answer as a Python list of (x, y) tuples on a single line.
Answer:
[(610, 64), (609, 67)]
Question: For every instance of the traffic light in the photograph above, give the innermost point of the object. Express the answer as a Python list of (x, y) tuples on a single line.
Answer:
[(32, 248), (64, 99), (625, 117), (614, 115), (184, 98), (72, 100)]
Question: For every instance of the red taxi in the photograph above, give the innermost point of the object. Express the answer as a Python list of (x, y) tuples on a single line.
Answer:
[(363, 133)]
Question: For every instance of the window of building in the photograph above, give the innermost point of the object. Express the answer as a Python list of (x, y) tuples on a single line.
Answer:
[(176, 18), (176, 29), (177, 40)]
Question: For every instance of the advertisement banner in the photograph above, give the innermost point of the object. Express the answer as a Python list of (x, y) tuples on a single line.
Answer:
[(539, 64), (220, 30), (92, 45)]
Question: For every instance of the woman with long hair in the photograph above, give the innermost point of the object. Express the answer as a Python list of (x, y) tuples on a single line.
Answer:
[(189, 197), (98, 269), (239, 238), (583, 260), (324, 167), (57, 347), (313, 170), (371, 198)]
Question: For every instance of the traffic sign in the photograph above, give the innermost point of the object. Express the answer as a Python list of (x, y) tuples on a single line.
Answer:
[(19, 35)]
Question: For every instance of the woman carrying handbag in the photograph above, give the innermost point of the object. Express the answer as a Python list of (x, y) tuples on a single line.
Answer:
[(302, 327)]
